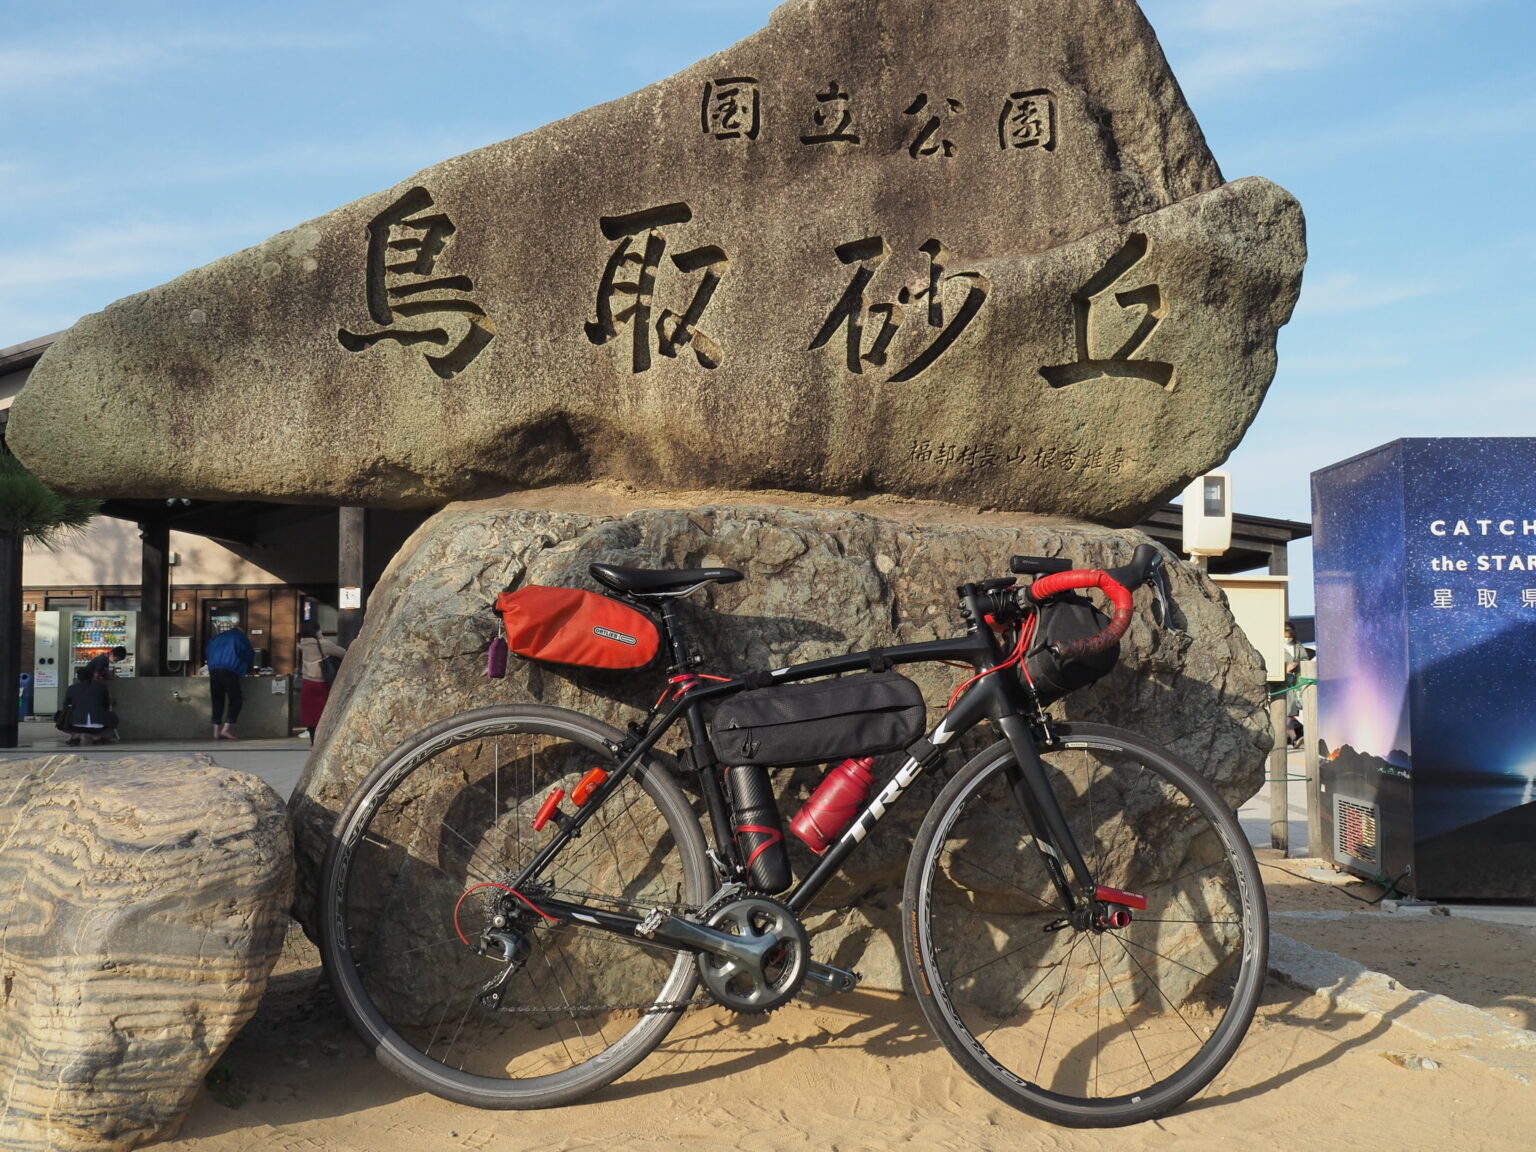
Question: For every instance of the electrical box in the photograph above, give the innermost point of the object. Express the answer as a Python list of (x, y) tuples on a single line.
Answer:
[(1258, 604), (178, 649), (1208, 514)]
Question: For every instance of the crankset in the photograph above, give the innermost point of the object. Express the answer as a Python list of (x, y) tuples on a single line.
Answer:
[(763, 963)]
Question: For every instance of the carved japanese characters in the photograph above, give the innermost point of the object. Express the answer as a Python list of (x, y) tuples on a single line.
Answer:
[(967, 250)]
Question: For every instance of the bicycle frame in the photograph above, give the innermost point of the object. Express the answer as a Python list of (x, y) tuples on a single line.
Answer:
[(1002, 698)]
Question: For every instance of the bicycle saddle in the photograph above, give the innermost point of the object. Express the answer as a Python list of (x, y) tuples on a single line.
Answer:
[(659, 581)]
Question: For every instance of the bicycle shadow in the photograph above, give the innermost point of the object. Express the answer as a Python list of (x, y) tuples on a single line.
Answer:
[(1292, 1006), (718, 1044)]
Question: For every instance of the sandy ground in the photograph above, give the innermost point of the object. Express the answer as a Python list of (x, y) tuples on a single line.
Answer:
[(859, 1071)]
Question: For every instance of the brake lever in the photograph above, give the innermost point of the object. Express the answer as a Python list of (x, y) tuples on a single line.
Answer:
[(1162, 602)]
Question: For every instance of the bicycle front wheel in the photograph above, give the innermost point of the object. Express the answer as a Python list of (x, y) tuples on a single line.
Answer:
[(1087, 1023), (416, 886)]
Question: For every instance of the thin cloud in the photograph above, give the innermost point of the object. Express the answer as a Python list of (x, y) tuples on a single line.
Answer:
[(1332, 364), (46, 65), (39, 68), (1239, 41), (1347, 292), (147, 251)]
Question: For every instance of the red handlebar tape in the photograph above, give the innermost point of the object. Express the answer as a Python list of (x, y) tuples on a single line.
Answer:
[(1048, 586)]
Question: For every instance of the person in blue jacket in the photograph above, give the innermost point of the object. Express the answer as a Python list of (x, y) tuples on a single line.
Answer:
[(230, 657)]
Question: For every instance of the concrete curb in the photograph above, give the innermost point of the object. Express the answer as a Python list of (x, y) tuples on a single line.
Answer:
[(1430, 1019)]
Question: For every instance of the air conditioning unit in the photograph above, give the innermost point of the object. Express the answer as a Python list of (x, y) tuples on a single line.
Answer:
[(1356, 831)]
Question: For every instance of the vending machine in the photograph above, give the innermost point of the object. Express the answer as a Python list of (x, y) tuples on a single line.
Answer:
[(67, 639), (49, 676), (92, 633)]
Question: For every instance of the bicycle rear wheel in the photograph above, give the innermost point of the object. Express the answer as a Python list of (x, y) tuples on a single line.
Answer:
[(1087, 1025), (417, 872)]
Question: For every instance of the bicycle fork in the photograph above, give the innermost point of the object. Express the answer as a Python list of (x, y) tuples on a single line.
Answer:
[(1087, 903)]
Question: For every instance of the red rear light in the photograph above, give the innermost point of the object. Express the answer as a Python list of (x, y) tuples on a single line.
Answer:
[(550, 807), (589, 784)]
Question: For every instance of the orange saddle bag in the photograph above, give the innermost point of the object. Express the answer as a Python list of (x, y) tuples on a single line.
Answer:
[(578, 628)]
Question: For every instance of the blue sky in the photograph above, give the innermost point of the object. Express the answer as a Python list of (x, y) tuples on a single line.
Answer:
[(141, 139)]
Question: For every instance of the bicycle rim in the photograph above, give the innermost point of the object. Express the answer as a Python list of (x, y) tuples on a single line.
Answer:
[(1088, 1026), (418, 870)]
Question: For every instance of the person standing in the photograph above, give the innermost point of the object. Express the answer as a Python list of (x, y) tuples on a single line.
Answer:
[(315, 689), (230, 657), (1295, 653)]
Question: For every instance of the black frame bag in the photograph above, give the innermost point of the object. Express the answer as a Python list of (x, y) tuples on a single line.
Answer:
[(788, 724), (1067, 617)]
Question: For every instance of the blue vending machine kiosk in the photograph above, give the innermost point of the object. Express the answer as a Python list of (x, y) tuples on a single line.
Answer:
[(1425, 563)]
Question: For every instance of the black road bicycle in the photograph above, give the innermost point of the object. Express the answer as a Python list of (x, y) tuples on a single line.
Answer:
[(1084, 925)]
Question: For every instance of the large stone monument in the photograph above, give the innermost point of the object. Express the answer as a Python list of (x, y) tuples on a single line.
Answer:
[(967, 250), (973, 253)]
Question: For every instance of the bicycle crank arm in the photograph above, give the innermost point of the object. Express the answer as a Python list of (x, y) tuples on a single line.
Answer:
[(675, 930), (667, 928), (830, 978), (681, 933)]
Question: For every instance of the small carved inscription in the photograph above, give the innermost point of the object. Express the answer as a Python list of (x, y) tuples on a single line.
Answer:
[(854, 310), (627, 292), (1068, 458), (1121, 364), (732, 108), (935, 118), (832, 118), (1028, 121), (404, 242)]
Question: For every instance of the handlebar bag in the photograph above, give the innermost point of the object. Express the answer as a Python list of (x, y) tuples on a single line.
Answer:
[(789, 724), (574, 627), (1067, 616)]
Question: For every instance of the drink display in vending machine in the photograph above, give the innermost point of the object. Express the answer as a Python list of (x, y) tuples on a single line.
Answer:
[(92, 633)]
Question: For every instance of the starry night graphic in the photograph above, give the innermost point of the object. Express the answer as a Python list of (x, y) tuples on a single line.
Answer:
[(1425, 560)]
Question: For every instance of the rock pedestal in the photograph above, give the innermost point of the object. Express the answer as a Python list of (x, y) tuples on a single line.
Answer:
[(142, 906), (819, 582)]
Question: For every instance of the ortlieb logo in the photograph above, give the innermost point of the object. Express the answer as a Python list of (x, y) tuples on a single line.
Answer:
[(610, 634)]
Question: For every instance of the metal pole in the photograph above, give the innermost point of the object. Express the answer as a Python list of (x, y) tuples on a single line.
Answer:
[(10, 640), (154, 594), (351, 573), (1312, 744), (1279, 815)]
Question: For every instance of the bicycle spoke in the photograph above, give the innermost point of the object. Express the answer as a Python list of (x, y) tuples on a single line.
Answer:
[(452, 817), (969, 863), (1128, 1030), (1056, 1001)]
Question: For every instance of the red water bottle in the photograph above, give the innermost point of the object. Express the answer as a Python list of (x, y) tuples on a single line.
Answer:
[(834, 804)]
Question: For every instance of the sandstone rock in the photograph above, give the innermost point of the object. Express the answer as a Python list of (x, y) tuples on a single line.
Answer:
[(969, 250), (144, 904), (819, 582)]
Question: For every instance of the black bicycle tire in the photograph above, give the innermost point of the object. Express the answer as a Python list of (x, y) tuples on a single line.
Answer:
[(393, 1050), (923, 974)]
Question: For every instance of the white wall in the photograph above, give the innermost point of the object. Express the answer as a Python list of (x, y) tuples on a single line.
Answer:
[(109, 551)]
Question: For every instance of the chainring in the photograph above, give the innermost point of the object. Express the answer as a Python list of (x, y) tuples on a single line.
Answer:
[(780, 951)]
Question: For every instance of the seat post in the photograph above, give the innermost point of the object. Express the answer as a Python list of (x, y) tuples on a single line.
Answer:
[(671, 626)]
